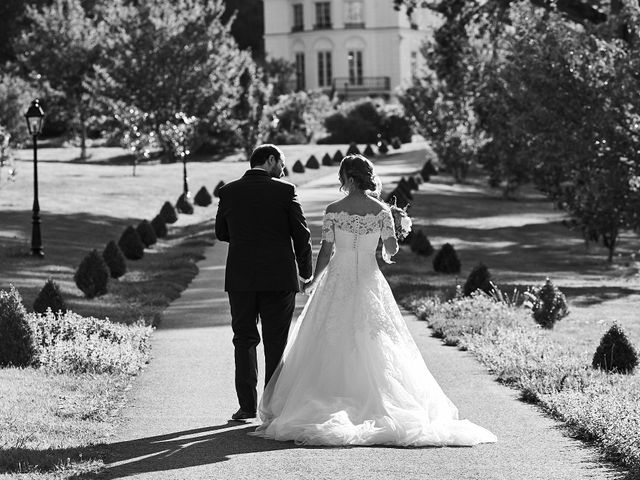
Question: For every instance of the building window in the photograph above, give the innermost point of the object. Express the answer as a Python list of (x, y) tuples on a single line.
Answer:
[(298, 18), (323, 15), (353, 14), (300, 85), (355, 67), (414, 65), (325, 70)]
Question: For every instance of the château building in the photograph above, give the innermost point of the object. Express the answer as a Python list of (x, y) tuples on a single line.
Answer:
[(351, 47)]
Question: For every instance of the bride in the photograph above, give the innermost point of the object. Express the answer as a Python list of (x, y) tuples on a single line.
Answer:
[(351, 373)]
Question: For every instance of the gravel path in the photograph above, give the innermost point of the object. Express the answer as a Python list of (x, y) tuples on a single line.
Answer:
[(176, 423)]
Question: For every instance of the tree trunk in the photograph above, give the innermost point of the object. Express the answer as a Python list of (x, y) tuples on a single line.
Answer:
[(83, 135), (613, 241)]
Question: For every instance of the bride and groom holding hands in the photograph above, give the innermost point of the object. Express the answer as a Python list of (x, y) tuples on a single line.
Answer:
[(350, 374)]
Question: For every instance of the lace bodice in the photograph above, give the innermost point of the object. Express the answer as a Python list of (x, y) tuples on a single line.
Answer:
[(358, 233)]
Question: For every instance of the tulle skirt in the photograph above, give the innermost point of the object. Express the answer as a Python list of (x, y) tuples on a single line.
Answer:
[(353, 375)]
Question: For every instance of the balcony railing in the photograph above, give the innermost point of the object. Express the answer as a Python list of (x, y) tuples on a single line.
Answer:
[(354, 25), (361, 85), (323, 26)]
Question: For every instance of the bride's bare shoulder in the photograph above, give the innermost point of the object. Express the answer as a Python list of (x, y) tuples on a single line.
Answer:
[(334, 207)]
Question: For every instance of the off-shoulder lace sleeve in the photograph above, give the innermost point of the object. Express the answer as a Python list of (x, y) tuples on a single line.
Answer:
[(327, 227), (388, 230)]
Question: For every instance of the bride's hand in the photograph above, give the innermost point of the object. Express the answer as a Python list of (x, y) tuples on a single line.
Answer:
[(309, 287)]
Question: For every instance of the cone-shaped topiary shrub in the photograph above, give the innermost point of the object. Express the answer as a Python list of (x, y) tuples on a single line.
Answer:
[(413, 185), (203, 197), (92, 276), (548, 304), (159, 226), (396, 143), (313, 162), (337, 158), (368, 151), (428, 169), (401, 199), (183, 205), (353, 149), (420, 244), (168, 213), (216, 190), (286, 171), (383, 147), (114, 258), (50, 297), (407, 240), (615, 352), (446, 260), (418, 179), (16, 337), (478, 279), (298, 167), (406, 189), (147, 233), (327, 161), (131, 244)]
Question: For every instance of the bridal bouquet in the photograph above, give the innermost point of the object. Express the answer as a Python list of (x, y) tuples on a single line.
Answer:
[(401, 220)]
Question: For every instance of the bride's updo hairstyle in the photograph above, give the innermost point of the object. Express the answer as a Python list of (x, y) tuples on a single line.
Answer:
[(361, 170)]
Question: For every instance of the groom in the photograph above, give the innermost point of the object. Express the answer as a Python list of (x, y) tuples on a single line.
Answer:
[(261, 218)]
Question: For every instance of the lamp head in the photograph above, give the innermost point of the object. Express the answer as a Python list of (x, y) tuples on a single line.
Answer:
[(34, 116)]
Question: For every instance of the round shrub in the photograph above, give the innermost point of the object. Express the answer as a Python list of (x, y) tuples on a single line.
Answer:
[(337, 157), (548, 304), (92, 276), (327, 161), (396, 143), (131, 244), (114, 258), (147, 233), (313, 162), (420, 244), (383, 147), (615, 352), (183, 205), (159, 226), (446, 260), (16, 337), (203, 197), (368, 151), (216, 190), (478, 279), (298, 167), (413, 185), (49, 297), (168, 213), (353, 149)]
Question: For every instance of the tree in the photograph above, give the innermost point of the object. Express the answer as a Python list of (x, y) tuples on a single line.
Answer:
[(180, 136), (135, 134), (170, 57), (249, 111), (62, 44)]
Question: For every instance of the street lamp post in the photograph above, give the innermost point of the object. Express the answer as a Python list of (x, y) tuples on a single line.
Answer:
[(34, 117)]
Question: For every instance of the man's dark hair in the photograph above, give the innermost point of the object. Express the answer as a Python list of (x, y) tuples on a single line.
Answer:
[(261, 154)]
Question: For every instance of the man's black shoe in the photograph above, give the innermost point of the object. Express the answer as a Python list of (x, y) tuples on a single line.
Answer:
[(242, 415)]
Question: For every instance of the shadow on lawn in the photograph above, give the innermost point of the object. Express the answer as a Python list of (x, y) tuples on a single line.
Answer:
[(148, 285)]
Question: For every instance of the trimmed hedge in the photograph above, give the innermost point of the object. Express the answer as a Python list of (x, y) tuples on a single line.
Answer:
[(203, 197), (353, 149), (478, 279), (16, 340), (327, 161), (92, 275), (446, 260), (615, 352), (313, 162), (298, 167), (383, 147), (420, 244), (337, 157), (183, 205), (159, 226), (396, 143), (114, 258), (548, 304), (286, 171), (368, 151), (216, 190), (401, 199), (147, 233), (168, 213), (50, 296), (131, 244), (413, 185), (427, 170)]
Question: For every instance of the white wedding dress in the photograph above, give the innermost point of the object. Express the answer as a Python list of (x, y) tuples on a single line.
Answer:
[(351, 373)]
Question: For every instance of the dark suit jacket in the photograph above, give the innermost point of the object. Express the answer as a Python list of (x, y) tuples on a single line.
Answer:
[(262, 220)]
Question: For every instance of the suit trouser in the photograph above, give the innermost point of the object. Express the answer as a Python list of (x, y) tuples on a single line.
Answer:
[(275, 310)]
